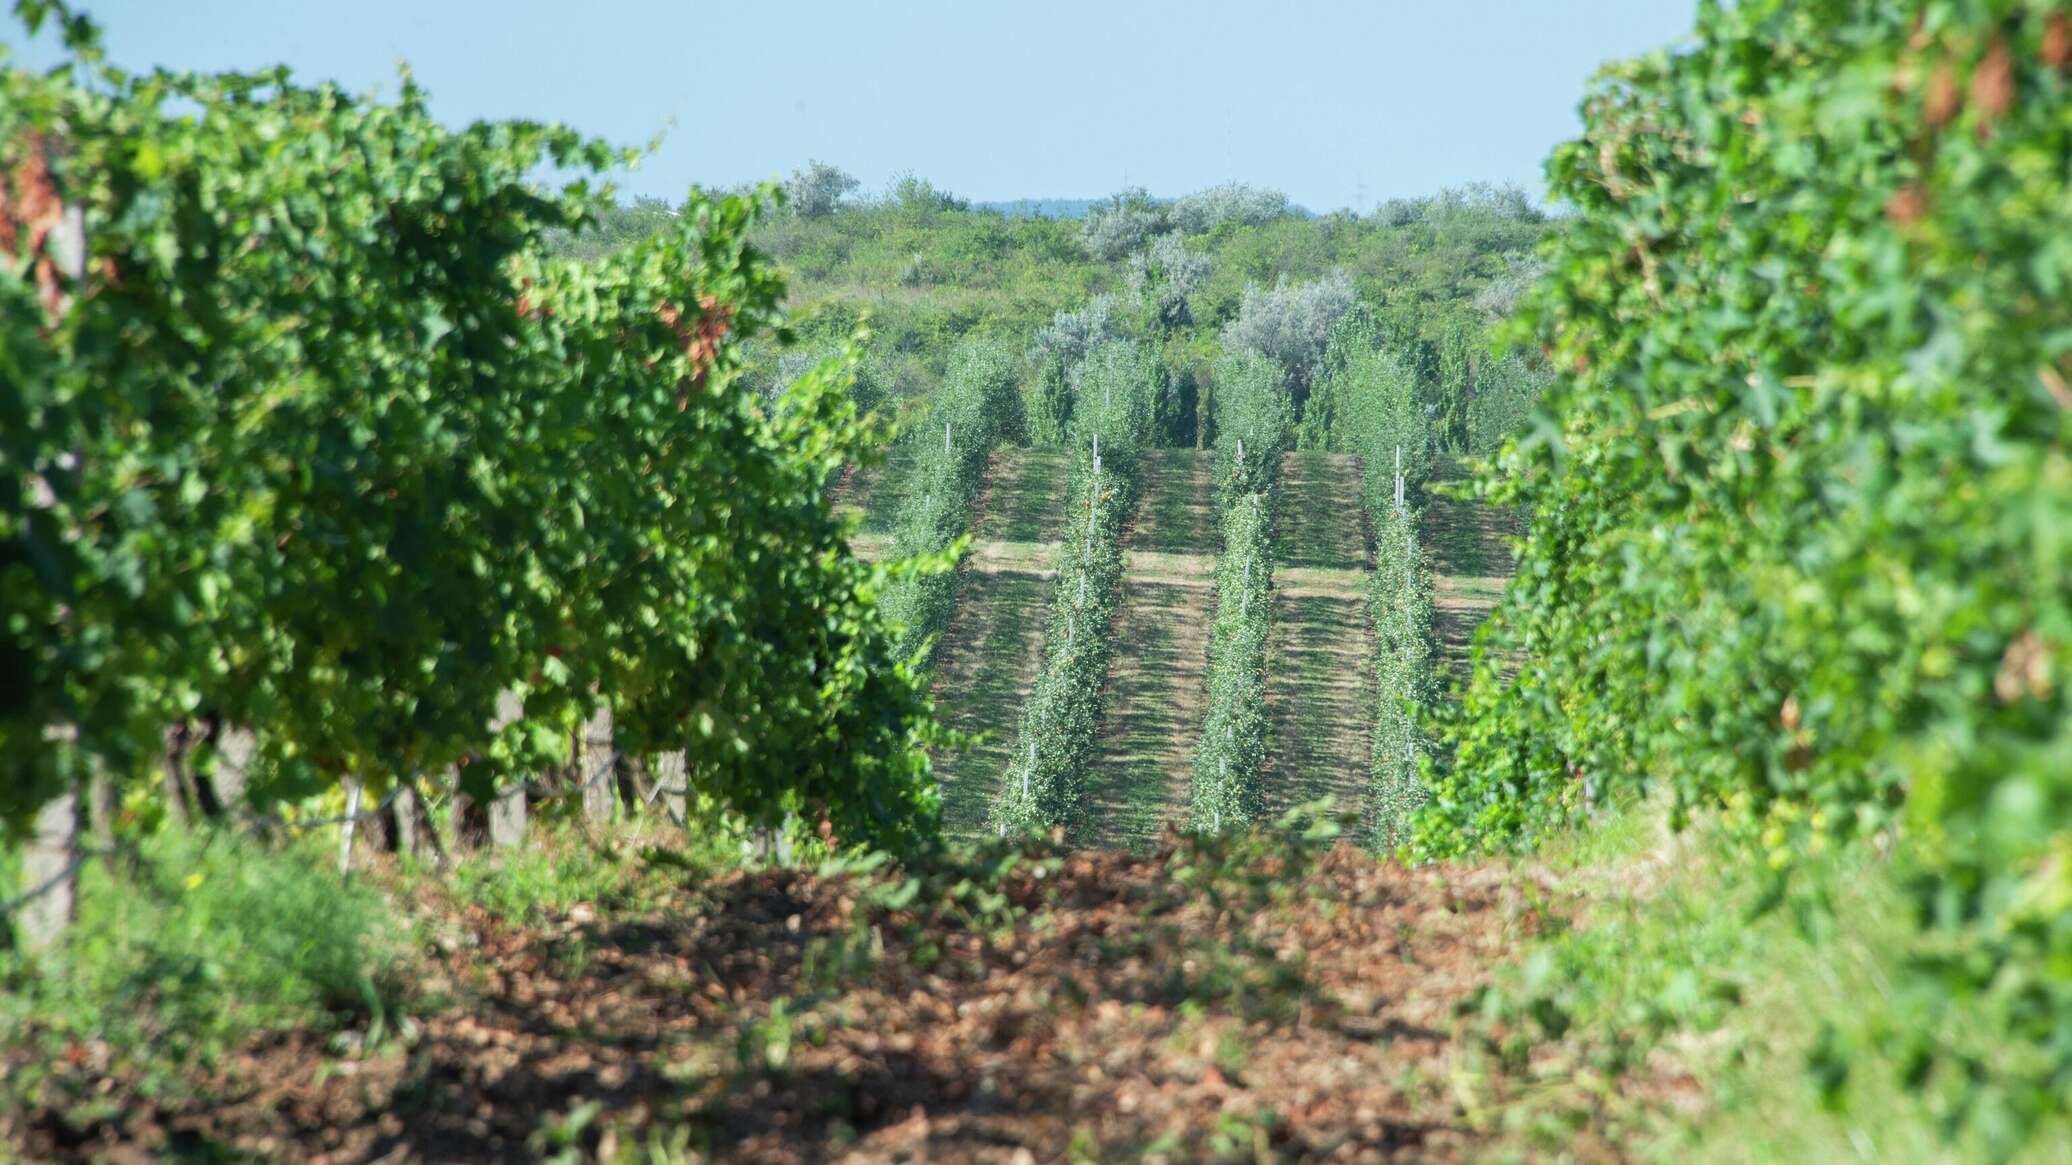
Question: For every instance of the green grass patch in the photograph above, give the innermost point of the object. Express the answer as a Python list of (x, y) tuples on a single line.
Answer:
[(1025, 497), (876, 492), (1319, 522), (622, 869), (1177, 513), (1152, 723), (983, 678), (1705, 1011), (1320, 702), (200, 940)]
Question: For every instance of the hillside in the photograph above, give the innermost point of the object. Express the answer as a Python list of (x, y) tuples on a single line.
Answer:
[(1155, 697), (1319, 690)]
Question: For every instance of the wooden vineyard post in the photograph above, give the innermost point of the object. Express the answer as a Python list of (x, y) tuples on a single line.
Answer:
[(50, 862), (467, 820), (235, 748), (507, 811), (349, 826), (595, 765), (672, 778), (50, 873), (409, 827), (101, 807)]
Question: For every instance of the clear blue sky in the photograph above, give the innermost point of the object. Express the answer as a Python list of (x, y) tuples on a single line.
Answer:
[(1337, 102)]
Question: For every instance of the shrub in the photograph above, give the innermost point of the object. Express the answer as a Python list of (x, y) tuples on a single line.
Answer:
[(1253, 429), (816, 190), (1163, 275), (1073, 334), (1252, 411), (1059, 351), (917, 198), (1506, 393), (1380, 419), (209, 937), (1291, 324), (399, 459), (1233, 202), (1802, 544), (1124, 224), (951, 450)]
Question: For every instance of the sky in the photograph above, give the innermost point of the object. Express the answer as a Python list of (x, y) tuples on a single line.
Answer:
[(1339, 103)]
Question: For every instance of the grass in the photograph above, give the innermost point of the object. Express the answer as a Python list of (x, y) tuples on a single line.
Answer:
[(1025, 496), (1319, 523), (1156, 701), (984, 671), (993, 646), (877, 491), (1320, 702), (1176, 513), (1151, 724), (202, 939), (1692, 964), (563, 865)]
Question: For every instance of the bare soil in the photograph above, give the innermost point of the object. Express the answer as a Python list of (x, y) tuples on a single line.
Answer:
[(1206, 1001)]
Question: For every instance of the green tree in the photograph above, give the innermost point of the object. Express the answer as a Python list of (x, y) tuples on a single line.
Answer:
[(324, 440)]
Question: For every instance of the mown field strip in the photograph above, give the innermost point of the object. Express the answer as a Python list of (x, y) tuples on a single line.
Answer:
[(875, 492), (1177, 512), (1319, 673), (1024, 497), (1321, 582), (1320, 524), (1319, 701), (1155, 702), (994, 646), (1471, 563), (1142, 761), (984, 671)]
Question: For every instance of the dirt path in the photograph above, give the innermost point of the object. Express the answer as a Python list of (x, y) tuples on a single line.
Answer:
[(1471, 562), (1098, 1009), (1319, 650), (1154, 697)]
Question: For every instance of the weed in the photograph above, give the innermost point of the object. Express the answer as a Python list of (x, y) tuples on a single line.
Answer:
[(200, 939)]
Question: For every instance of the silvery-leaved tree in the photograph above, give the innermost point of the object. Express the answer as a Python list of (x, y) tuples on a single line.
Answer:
[(816, 190), (1163, 275), (1291, 324), (1232, 202), (1122, 224)]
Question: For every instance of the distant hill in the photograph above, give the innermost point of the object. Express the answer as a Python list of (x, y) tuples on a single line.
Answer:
[(1075, 207), (1041, 207)]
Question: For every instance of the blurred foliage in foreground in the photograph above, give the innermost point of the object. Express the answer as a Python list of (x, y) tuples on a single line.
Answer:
[(1802, 542)]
